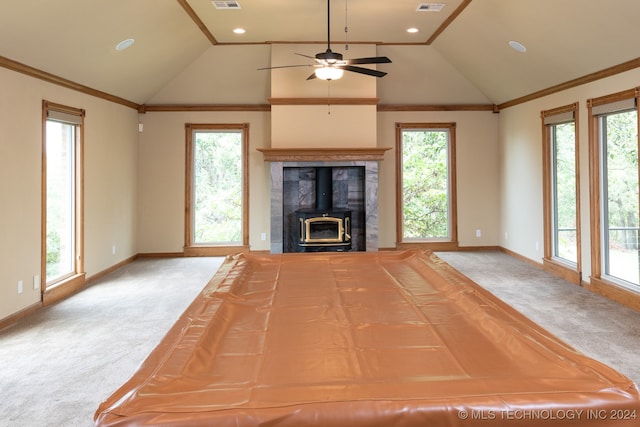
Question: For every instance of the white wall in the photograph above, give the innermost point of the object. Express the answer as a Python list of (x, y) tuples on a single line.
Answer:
[(110, 174)]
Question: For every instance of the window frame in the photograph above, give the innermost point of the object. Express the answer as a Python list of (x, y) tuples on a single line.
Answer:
[(55, 290), (190, 247), (435, 243), (603, 283), (568, 270)]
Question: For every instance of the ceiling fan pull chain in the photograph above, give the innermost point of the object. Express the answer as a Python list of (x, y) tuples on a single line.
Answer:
[(346, 26), (329, 97)]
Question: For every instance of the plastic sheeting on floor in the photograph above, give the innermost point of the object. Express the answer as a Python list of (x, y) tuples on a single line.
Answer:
[(362, 339)]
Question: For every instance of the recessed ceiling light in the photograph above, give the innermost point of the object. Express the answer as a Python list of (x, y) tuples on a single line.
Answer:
[(517, 46), (239, 30), (412, 30), (124, 44)]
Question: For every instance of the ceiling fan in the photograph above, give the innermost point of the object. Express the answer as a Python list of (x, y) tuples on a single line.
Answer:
[(330, 65)]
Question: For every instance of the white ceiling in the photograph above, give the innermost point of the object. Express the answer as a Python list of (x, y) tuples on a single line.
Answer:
[(75, 39)]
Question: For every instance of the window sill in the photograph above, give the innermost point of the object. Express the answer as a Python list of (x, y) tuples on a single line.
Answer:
[(564, 270), (214, 250), (62, 289), (430, 245), (615, 292)]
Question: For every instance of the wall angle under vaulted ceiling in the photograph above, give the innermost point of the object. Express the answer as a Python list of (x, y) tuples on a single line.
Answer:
[(224, 74), (303, 119)]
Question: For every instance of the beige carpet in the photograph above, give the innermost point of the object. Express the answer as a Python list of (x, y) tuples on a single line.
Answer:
[(59, 364), (592, 324)]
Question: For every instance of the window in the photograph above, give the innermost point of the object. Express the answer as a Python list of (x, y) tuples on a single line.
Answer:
[(216, 188), (62, 194), (616, 207), (561, 195), (426, 184)]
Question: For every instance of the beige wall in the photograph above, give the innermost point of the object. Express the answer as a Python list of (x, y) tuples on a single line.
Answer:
[(323, 126), (477, 174), (520, 153), (161, 177), (134, 182), (161, 152), (110, 176), (320, 125)]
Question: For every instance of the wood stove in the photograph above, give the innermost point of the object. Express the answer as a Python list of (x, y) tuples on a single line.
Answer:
[(323, 229)]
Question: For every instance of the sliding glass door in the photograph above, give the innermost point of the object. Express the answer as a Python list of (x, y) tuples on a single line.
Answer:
[(620, 206)]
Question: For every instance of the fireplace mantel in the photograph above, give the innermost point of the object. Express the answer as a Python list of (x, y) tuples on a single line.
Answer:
[(322, 154)]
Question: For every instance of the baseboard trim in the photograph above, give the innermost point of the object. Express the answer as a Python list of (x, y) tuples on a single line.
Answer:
[(161, 255), (59, 293), (521, 257), (99, 275), (437, 247), (261, 252), (620, 296), (612, 292), (478, 248), (12, 319)]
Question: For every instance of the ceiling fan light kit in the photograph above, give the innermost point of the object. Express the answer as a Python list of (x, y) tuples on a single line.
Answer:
[(328, 73)]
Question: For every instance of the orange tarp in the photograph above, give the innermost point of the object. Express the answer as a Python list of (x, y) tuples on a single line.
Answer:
[(362, 339)]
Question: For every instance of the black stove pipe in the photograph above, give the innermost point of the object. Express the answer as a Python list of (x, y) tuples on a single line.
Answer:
[(324, 188)]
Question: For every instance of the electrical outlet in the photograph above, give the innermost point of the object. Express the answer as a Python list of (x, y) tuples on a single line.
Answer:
[(113, 250), (478, 233), (263, 236), (19, 286), (36, 282)]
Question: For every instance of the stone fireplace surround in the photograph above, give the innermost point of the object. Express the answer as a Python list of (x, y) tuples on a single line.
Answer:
[(282, 158)]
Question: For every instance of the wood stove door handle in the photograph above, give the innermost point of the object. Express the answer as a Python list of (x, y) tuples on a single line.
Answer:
[(301, 230), (347, 229)]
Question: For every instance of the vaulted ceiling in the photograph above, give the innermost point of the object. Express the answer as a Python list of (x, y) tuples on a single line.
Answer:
[(75, 40)]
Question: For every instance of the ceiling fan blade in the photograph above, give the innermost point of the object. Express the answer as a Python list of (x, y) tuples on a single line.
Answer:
[(285, 66), (330, 59), (372, 60), (374, 73), (306, 56)]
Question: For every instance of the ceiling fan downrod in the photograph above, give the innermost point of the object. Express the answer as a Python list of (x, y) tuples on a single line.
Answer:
[(329, 56)]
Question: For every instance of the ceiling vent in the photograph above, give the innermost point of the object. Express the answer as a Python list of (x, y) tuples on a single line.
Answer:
[(226, 4), (430, 7)]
